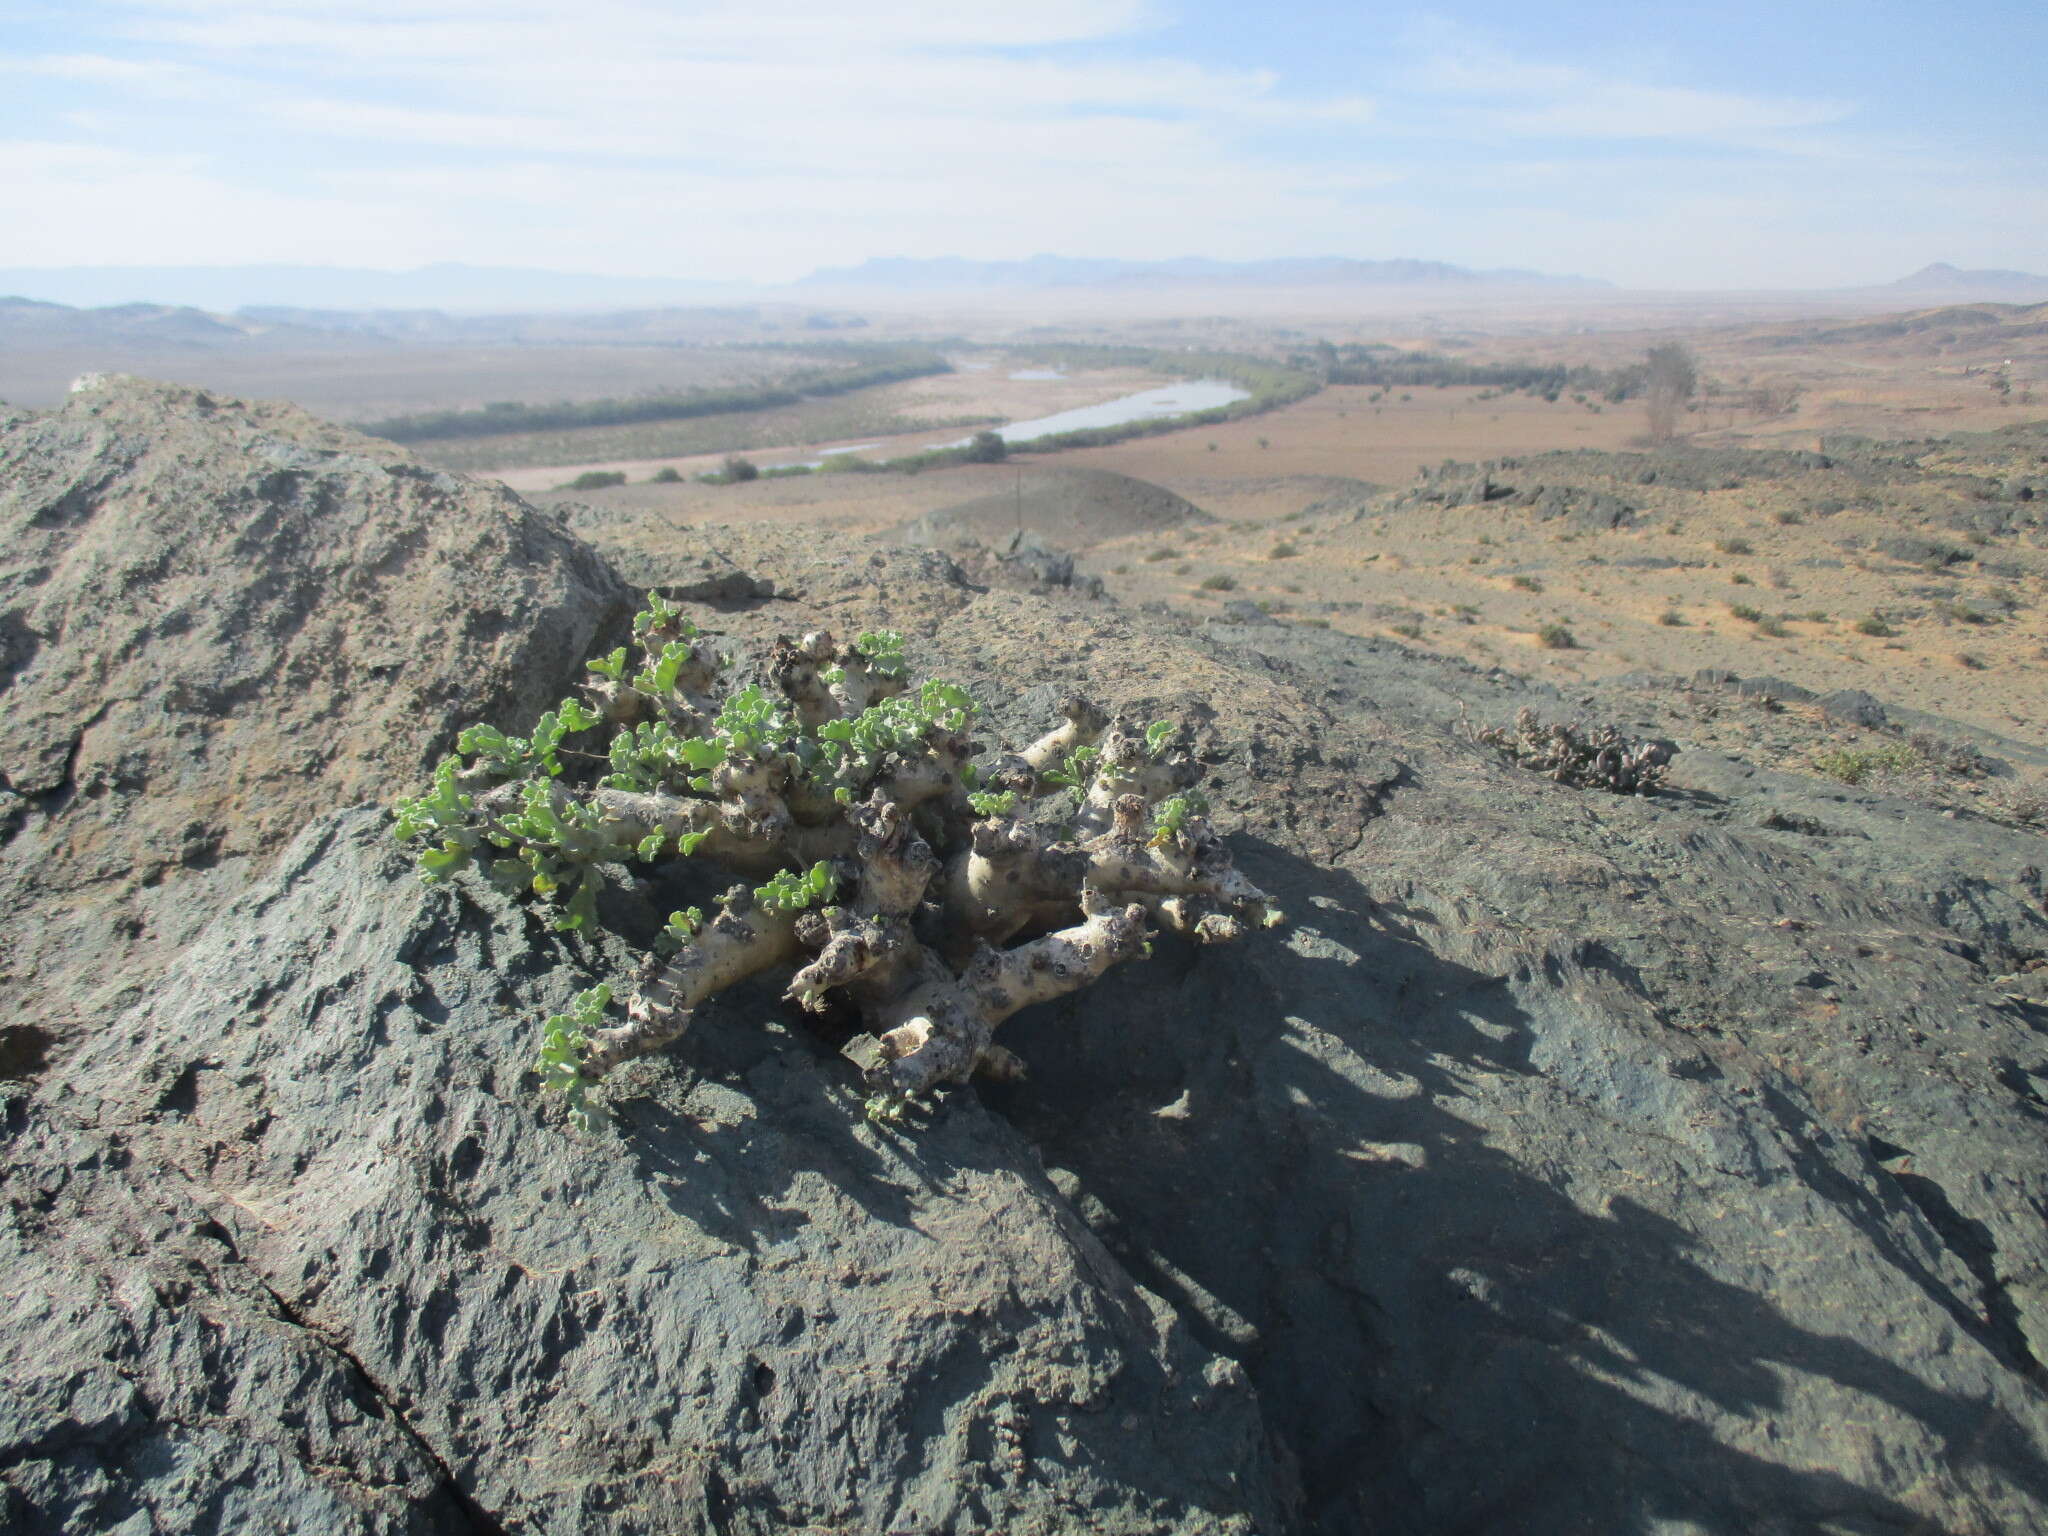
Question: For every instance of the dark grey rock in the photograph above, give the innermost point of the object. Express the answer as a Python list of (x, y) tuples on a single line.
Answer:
[(1768, 687), (1541, 1119), (1570, 1163), (1855, 707), (222, 619), (741, 1308), (155, 1383)]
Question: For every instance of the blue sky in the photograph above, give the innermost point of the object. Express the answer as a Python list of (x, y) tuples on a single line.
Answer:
[(1743, 145)]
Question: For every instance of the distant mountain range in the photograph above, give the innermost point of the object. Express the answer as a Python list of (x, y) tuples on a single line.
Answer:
[(444, 285), (1982, 283), (209, 305), (32, 323), (454, 287), (906, 274)]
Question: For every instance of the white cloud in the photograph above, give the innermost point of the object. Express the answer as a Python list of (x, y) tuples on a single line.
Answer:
[(721, 138), (91, 205), (1503, 93)]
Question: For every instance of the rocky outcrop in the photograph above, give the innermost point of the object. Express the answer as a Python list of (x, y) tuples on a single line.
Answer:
[(218, 620), (1068, 507), (155, 1382), (1572, 1162), (740, 1308)]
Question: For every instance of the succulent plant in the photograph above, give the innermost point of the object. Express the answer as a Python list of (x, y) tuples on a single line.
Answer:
[(881, 863)]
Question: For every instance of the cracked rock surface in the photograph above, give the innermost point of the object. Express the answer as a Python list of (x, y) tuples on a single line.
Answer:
[(1570, 1163)]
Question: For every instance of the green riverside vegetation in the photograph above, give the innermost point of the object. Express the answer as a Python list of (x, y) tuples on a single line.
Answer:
[(868, 367)]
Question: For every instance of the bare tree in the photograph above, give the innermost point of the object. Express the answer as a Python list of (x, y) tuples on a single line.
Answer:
[(1674, 375)]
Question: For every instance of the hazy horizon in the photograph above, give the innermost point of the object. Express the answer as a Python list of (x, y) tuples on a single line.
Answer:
[(462, 288), (1753, 147)]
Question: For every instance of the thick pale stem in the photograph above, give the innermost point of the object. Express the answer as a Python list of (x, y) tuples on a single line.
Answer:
[(931, 776), (942, 1030), (1191, 862), (896, 865), (1082, 723), (850, 949), (731, 836), (794, 670), (858, 688), (740, 942), (1006, 878), (1126, 767)]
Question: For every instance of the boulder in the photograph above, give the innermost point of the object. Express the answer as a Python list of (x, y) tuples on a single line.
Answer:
[(218, 620)]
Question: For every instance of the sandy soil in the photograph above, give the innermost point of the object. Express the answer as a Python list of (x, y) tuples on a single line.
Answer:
[(1965, 640), (1303, 533)]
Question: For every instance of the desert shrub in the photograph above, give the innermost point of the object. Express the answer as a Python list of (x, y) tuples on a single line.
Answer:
[(1740, 580), (1219, 582), (1595, 757), (1161, 554), (1525, 583), (1746, 613), (1871, 624), (1962, 613), (847, 464), (880, 866), (596, 480), (1407, 631), (1773, 626), (1555, 637), (1954, 758), (2022, 800), (1671, 618), (1734, 546), (668, 474), (1854, 765), (1284, 550), (987, 447), (738, 470)]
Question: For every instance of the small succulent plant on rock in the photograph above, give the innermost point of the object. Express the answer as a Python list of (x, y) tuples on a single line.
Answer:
[(1587, 757), (886, 858)]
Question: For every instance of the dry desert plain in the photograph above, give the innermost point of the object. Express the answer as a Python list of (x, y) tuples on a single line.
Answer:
[(1885, 571)]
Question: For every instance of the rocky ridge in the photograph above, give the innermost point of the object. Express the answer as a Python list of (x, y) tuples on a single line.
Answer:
[(1571, 1162)]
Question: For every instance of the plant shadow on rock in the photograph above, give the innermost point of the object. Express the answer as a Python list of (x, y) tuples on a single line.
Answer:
[(1443, 1338), (709, 1168)]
